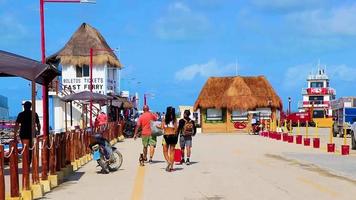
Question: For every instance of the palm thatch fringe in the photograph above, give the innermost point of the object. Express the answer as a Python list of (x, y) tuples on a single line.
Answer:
[(85, 60), (238, 93), (77, 49)]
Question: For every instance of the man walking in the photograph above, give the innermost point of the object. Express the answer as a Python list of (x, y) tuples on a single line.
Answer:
[(187, 129), (24, 121), (144, 121)]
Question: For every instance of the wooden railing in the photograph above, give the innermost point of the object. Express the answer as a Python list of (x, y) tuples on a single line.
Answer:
[(61, 153)]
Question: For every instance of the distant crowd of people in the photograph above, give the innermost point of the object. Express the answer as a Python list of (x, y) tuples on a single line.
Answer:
[(173, 131)]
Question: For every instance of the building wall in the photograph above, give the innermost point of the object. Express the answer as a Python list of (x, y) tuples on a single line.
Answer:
[(227, 125), (78, 84)]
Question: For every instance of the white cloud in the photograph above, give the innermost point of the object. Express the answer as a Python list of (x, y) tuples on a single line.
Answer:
[(179, 6), (181, 23), (211, 68), (327, 22), (295, 77), (286, 5), (343, 73)]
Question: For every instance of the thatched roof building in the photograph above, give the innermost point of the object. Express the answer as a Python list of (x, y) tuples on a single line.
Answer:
[(76, 51), (238, 93)]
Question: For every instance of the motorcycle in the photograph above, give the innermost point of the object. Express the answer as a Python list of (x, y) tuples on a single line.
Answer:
[(129, 128), (256, 128), (108, 157)]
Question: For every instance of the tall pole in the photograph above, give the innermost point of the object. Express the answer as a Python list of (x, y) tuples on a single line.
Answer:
[(45, 86), (91, 87), (289, 101), (44, 95)]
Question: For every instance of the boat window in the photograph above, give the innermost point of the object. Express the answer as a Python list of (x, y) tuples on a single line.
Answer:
[(316, 84), (319, 113)]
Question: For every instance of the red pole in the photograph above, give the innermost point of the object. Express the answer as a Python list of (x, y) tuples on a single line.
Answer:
[(45, 86), (91, 87)]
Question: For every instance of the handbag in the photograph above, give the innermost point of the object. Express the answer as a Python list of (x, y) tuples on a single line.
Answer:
[(155, 130)]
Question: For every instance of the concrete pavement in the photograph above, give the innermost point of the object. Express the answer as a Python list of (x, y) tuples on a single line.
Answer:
[(224, 166)]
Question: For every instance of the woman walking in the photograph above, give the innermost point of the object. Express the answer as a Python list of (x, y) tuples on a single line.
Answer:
[(169, 125)]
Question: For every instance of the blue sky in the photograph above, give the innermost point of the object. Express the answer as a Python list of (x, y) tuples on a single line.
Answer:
[(172, 47)]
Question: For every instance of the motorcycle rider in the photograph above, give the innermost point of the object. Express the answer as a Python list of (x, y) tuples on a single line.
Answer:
[(101, 141)]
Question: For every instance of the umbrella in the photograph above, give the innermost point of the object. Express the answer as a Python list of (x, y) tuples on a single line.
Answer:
[(86, 96)]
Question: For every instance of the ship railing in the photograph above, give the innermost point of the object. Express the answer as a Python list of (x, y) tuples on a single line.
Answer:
[(317, 104), (322, 91)]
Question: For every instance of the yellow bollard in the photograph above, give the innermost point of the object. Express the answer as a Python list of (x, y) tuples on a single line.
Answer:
[(285, 126), (298, 130), (306, 129), (290, 127), (316, 129)]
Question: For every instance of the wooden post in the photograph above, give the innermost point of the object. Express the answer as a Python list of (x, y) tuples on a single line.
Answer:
[(44, 158), (68, 146), (58, 152), (63, 150), (72, 146), (2, 177), (14, 170), (35, 158), (52, 159), (25, 165)]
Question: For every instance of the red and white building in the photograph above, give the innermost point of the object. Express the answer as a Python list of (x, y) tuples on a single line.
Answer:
[(317, 95)]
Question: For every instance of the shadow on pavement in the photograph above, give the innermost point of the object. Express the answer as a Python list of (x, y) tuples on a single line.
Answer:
[(74, 177), (157, 161)]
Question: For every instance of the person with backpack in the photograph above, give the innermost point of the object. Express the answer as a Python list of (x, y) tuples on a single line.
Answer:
[(186, 129)]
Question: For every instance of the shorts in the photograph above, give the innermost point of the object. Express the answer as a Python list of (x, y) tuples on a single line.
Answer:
[(149, 141), (185, 141), (171, 139)]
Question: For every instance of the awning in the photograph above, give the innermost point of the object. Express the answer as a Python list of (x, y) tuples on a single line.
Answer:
[(16, 65), (121, 102), (87, 96)]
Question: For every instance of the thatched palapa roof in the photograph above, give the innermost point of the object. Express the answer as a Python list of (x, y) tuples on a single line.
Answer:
[(240, 93), (77, 49)]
